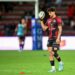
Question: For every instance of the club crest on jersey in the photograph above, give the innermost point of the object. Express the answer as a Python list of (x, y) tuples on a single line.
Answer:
[(54, 21), (49, 21)]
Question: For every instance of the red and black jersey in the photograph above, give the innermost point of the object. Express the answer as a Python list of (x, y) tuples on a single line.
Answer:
[(53, 24)]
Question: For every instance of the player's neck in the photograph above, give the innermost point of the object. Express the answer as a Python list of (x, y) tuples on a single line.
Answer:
[(54, 16)]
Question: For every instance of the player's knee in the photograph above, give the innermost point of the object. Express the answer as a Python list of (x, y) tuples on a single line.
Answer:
[(57, 57), (50, 53), (55, 54)]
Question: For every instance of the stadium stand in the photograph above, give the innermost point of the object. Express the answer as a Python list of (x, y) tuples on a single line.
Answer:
[(12, 17)]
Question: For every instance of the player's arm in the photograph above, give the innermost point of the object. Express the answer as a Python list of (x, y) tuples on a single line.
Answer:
[(25, 25), (44, 27), (59, 33), (25, 30), (16, 29)]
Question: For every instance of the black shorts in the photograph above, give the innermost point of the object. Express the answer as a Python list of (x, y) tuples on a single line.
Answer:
[(21, 38), (52, 43)]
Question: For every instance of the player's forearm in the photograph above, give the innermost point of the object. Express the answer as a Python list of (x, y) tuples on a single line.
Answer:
[(43, 26), (25, 25), (59, 33), (16, 30), (25, 31)]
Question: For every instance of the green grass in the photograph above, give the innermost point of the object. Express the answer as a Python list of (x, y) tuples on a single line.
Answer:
[(34, 63)]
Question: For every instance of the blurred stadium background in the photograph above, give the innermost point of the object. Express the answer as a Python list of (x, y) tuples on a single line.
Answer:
[(12, 11), (13, 62)]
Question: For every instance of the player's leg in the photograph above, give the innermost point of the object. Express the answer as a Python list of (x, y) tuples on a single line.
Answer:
[(56, 55), (51, 56), (22, 42)]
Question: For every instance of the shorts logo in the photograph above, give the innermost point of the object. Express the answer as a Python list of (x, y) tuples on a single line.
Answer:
[(55, 48)]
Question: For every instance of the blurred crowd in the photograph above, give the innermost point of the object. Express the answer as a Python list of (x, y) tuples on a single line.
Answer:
[(8, 30), (6, 6), (71, 15)]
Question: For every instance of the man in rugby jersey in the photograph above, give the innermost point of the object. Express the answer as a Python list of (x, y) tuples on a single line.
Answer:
[(21, 31), (54, 27)]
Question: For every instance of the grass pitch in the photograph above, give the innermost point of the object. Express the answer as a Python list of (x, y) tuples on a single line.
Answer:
[(34, 63)]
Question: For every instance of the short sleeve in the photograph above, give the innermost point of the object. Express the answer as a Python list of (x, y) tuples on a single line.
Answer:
[(59, 22)]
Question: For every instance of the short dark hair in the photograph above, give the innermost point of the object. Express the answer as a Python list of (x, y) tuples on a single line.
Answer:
[(51, 9), (21, 19)]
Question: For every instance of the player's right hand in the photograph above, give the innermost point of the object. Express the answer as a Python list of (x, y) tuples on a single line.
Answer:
[(40, 19)]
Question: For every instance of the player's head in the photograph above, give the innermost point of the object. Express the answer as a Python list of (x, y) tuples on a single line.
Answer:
[(51, 11), (22, 20)]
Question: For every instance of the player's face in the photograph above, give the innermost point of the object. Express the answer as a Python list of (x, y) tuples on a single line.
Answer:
[(51, 14), (23, 21)]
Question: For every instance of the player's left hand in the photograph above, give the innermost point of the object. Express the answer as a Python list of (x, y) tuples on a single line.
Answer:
[(58, 41)]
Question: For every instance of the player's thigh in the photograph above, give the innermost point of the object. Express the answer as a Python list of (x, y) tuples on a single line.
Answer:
[(49, 43), (20, 39), (50, 47), (55, 46), (51, 52), (23, 38)]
